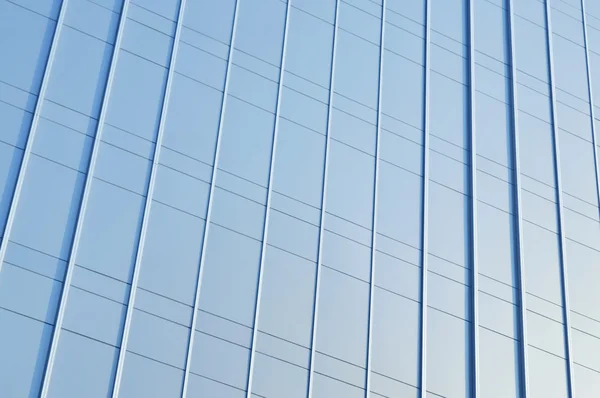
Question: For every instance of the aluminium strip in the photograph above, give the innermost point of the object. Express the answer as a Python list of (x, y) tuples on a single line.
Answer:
[(425, 208), (84, 202), (147, 205), (315, 318), (375, 200), (14, 203), (591, 99), (561, 232), (474, 242), (188, 360), (268, 205), (524, 363)]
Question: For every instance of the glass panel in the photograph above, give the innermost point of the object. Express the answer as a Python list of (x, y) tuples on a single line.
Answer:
[(547, 375), (26, 341), (396, 337), (448, 353), (71, 379), (343, 334)]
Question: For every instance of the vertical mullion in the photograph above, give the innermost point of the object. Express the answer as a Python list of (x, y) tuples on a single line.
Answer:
[(323, 202), (563, 255), (591, 95), (375, 200), (474, 243), (147, 205), (188, 360), (268, 206), (84, 202), (31, 134), (517, 197), (425, 208)]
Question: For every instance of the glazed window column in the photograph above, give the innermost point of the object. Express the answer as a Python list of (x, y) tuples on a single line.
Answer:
[(319, 269), (226, 290), (518, 210), (34, 58), (98, 281), (395, 288), (369, 382), (24, 93), (281, 354), (554, 78), (268, 212), (340, 344), (541, 250), (449, 231), (572, 39), (498, 295), (148, 298)]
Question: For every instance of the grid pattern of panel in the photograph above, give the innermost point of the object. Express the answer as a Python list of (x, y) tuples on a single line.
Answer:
[(299, 198)]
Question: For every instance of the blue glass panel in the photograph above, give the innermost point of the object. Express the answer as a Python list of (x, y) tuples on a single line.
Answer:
[(350, 178), (220, 360), (357, 66), (113, 217), (171, 254), (136, 96), (24, 58), (143, 376), (343, 334), (328, 387), (80, 85), (447, 365), (273, 378), (26, 342), (230, 276), (93, 18), (287, 297), (212, 18), (547, 375), (94, 316), (260, 29), (246, 141), (309, 49), (498, 361), (158, 339), (95, 379), (47, 211), (396, 337), (448, 224), (192, 119), (324, 9)]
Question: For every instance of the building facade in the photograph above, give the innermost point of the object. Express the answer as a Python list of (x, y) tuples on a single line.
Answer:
[(301, 198)]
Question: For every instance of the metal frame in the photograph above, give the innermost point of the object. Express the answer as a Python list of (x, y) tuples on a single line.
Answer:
[(517, 198), (375, 200), (147, 205), (268, 207), (188, 360), (474, 247), (12, 210), (591, 95), (323, 202), (563, 254), (83, 206), (425, 209)]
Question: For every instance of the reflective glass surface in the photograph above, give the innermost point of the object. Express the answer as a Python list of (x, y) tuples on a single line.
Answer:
[(299, 198)]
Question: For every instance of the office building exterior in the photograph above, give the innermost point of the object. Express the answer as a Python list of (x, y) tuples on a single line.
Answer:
[(301, 198)]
